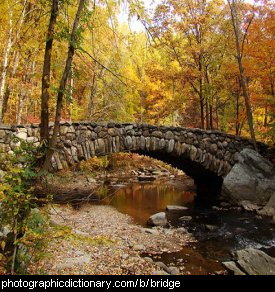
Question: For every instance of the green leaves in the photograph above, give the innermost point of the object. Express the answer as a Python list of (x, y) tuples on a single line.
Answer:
[(15, 194)]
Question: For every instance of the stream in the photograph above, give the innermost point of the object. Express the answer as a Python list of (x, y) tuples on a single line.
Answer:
[(218, 231)]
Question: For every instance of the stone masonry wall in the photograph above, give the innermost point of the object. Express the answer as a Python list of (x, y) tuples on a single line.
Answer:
[(214, 150)]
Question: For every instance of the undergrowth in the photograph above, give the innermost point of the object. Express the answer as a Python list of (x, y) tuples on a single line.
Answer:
[(21, 229)]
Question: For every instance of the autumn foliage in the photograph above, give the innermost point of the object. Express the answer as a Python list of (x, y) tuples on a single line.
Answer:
[(180, 70)]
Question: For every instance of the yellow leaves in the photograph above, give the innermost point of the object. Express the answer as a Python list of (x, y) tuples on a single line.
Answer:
[(3, 245), (65, 232)]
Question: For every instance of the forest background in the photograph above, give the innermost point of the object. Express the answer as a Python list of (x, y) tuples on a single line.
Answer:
[(175, 64)]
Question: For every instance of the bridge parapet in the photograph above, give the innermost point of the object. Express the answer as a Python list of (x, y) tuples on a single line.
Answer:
[(212, 150)]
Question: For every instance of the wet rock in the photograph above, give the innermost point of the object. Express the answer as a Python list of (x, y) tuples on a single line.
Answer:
[(211, 228), (252, 262), (185, 218), (176, 208), (248, 206), (269, 209), (251, 179), (218, 208), (158, 219)]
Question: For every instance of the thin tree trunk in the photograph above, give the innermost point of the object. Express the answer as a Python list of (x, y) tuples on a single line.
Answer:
[(7, 91), (207, 114), (211, 116), (21, 104), (5, 63), (266, 106), (241, 69), (44, 127), (10, 43), (92, 95), (71, 94), (201, 92), (5, 101), (217, 112), (62, 86), (237, 116)]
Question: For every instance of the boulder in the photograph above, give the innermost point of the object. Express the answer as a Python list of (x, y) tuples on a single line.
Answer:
[(251, 179), (158, 219), (269, 209), (252, 262)]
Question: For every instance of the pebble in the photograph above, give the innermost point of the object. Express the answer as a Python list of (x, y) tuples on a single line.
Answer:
[(138, 247)]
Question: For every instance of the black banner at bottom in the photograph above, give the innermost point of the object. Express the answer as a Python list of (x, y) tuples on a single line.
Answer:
[(34, 283)]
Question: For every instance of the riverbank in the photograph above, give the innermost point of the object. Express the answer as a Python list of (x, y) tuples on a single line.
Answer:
[(98, 240), (97, 225)]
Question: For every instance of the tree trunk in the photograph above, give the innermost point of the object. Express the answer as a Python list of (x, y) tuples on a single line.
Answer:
[(207, 114), (62, 86), (21, 103), (237, 116), (10, 43), (5, 101), (44, 127), (5, 63), (211, 116), (201, 92), (217, 111), (236, 27)]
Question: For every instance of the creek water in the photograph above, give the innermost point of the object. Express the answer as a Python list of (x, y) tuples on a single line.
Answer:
[(218, 232)]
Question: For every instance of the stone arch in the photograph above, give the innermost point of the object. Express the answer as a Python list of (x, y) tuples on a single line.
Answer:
[(206, 156)]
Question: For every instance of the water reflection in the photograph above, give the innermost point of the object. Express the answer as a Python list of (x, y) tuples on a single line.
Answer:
[(218, 232), (140, 201)]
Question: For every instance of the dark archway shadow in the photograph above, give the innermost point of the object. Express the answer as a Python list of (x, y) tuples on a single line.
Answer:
[(208, 184)]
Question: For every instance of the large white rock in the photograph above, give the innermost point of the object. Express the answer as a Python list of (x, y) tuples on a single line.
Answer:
[(251, 179), (158, 219)]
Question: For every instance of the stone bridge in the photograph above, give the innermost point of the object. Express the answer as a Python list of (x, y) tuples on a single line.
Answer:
[(199, 153)]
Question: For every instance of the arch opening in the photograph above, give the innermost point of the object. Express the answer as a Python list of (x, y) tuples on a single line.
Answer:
[(208, 184)]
